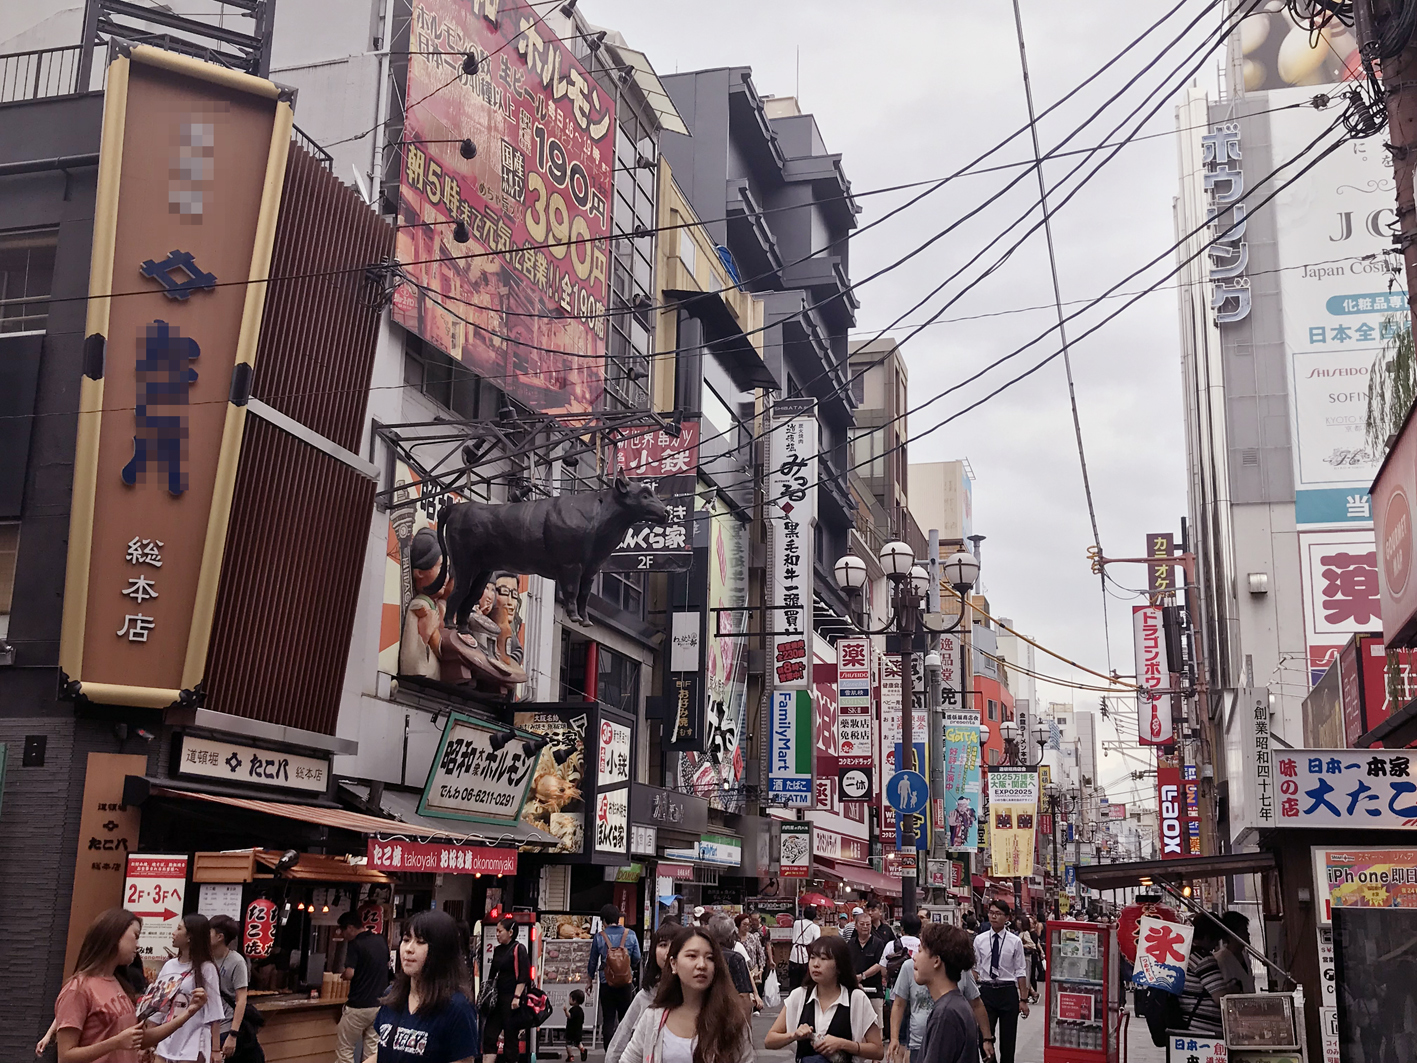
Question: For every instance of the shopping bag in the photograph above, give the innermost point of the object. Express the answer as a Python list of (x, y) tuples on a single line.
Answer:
[(772, 996)]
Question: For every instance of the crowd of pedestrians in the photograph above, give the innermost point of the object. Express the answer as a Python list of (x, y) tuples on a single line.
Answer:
[(930, 993)]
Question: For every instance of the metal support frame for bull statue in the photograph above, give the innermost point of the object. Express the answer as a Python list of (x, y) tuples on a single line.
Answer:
[(566, 538), (520, 440)]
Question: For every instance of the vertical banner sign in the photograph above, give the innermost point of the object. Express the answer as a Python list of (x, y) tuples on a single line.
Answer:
[(790, 767), (961, 786), (189, 184), (1154, 726), (824, 736), (951, 671), (1171, 808), (856, 732), (795, 854), (536, 195), (108, 832), (1160, 578), (891, 753), (1013, 806), (791, 508)]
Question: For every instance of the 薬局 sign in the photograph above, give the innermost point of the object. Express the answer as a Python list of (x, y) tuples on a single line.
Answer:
[(210, 758), (193, 162), (790, 738), (1368, 788), (1342, 594), (791, 509), (795, 850), (537, 191), (437, 857), (470, 780), (153, 890)]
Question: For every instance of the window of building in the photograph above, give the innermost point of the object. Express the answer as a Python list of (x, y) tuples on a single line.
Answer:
[(625, 590), (631, 272), (715, 410), (447, 381), (993, 709), (9, 552), (619, 685), (993, 756), (26, 274), (858, 392)]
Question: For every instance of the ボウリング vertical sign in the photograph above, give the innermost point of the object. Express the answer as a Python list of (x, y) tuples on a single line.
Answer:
[(190, 176)]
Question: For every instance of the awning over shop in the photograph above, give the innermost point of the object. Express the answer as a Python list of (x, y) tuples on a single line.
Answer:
[(1118, 876), (861, 878), (404, 808), (138, 789), (317, 867)]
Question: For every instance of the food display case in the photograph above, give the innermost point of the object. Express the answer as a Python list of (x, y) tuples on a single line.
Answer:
[(1082, 994), (1264, 1027)]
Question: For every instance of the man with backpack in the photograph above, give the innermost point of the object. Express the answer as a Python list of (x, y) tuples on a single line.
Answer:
[(615, 957), (1197, 1009)]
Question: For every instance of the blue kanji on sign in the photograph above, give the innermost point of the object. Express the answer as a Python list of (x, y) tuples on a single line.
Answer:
[(191, 277), (163, 381)]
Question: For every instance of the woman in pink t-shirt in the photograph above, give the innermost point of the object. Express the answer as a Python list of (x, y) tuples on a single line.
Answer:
[(94, 1017)]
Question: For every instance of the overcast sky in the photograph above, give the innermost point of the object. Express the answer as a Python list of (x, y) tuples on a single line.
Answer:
[(912, 91)]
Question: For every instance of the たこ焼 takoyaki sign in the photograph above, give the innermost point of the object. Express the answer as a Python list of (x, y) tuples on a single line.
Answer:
[(481, 772)]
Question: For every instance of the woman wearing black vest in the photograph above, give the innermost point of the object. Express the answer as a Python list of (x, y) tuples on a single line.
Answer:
[(829, 1017)]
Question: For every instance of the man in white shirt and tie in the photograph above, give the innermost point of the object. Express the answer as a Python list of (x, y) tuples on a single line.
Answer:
[(1001, 969)]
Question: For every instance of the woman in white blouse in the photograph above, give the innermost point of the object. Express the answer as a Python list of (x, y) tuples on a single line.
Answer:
[(831, 1018), (696, 1017)]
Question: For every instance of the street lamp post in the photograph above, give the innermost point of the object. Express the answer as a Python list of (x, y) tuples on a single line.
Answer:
[(910, 584)]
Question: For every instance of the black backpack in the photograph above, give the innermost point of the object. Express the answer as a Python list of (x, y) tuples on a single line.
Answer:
[(1162, 1012), (895, 963)]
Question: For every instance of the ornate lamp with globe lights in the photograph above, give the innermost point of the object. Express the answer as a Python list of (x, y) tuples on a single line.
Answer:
[(906, 628)]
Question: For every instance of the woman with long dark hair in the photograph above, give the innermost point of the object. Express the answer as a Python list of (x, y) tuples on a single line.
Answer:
[(426, 1016), (95, 1017), (829, 1013), (696, 1017), (649, 985), (192, 969), (510, 970)]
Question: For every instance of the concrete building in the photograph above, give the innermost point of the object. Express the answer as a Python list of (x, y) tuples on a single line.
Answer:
[(778, 205)]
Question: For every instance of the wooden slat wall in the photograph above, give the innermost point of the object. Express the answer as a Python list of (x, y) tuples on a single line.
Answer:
[(300, 519)]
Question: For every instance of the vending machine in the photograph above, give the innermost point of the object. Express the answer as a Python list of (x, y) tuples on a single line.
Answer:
[(1083, 995)]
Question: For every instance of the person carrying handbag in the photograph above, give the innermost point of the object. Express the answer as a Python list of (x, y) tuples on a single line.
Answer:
[(504, 989)]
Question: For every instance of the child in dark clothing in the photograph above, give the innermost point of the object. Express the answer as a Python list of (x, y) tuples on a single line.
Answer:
[(575, 1024)]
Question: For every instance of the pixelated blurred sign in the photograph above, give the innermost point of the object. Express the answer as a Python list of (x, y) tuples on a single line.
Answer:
[(189, 185)]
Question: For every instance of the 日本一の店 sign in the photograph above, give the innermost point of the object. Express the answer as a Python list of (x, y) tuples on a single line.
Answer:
[(1362, 788), (189, 185)]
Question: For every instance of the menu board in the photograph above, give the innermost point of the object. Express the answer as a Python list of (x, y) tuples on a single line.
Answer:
[(565, 959)]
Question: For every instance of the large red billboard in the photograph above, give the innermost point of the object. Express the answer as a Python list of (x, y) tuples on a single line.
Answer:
[(522, 302)]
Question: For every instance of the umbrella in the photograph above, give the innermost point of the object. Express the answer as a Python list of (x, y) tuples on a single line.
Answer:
[(821, 900)]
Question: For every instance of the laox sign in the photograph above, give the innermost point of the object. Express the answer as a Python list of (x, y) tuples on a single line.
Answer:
[(1170, 820)]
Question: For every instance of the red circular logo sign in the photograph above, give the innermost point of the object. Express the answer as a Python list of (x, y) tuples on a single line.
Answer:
[(1397, 543)]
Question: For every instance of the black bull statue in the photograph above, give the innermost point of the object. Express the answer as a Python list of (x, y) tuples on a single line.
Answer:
[(566, 539)]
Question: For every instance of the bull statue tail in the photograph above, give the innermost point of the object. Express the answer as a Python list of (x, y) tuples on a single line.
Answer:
[(437, 584)]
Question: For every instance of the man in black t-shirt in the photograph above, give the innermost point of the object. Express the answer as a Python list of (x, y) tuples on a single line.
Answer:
[(865, 946), (366, 969)]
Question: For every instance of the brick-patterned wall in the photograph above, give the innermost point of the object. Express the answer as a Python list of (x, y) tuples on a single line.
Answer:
[(39, 831)]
